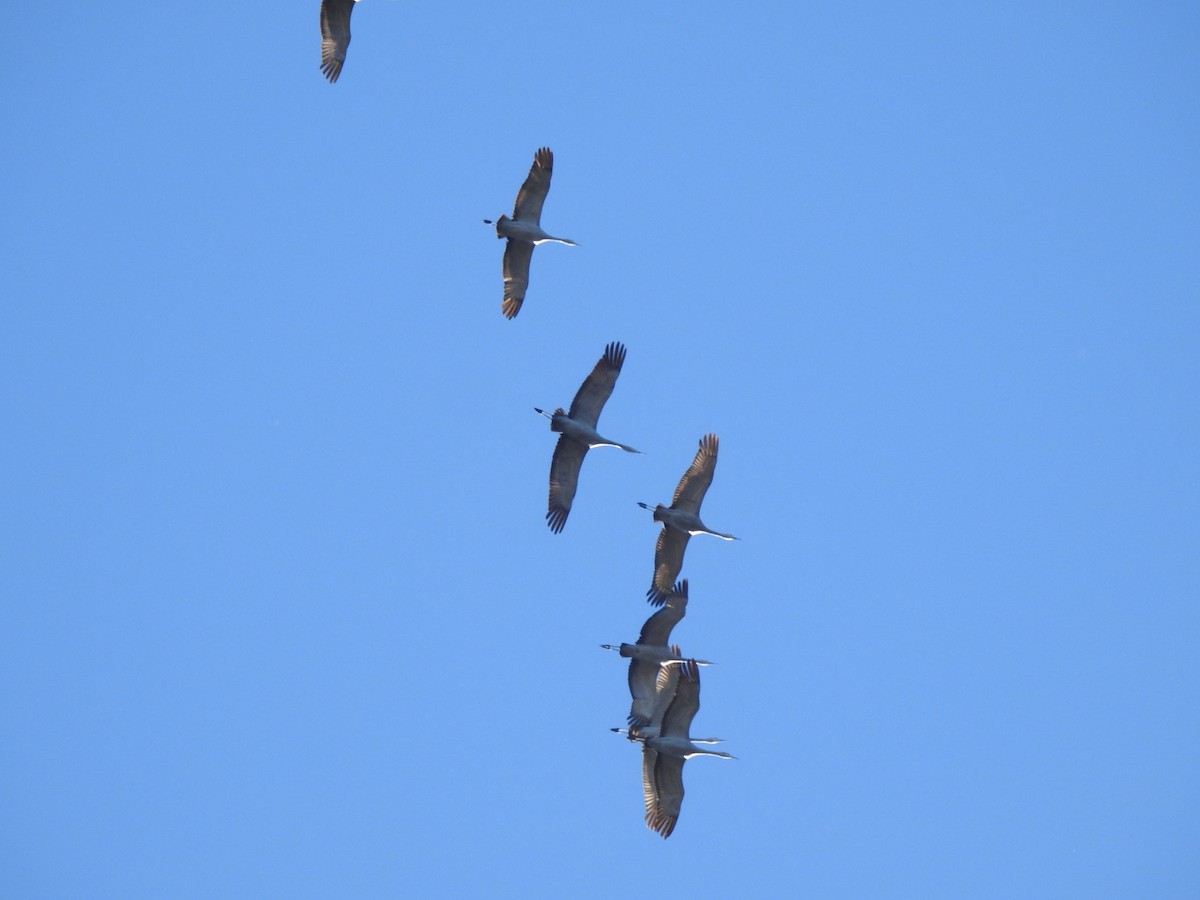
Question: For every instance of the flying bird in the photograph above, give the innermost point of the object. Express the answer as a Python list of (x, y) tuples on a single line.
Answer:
[(681, 520), (524, 231), (578, 432), (335, 35), (652, 669), (663, 755)]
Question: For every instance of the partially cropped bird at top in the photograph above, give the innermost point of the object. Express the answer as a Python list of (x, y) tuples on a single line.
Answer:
[(663, 755), (524, 231), (335, 35), (651, 661), (681, 520), (578, 433)]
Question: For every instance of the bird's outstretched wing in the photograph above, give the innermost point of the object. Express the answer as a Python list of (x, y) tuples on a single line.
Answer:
[(662, 785), (564, 478), (695, 481), (516, 276), (677, 720), (668, 562), (335, 36), (533, 192), (598, 386), (657, 629)]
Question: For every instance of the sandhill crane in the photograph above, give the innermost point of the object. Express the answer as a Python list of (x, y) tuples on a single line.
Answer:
[(335, 35), (524, 231), (663, 756), (578, 433), (682, 519), (651, 673)]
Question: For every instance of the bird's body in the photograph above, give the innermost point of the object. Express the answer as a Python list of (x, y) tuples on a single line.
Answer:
[(524, 231), (664, 754), (335, 36), (577, 433), (529, 232), (582, 432), (681, 520), (647, 653)]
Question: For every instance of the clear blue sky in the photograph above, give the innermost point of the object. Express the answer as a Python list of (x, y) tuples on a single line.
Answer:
[(281, 615)]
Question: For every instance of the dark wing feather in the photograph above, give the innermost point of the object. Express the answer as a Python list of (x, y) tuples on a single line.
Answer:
[(533, 192), (667, 782), (695, 481), (668, 561), (677, 720), (643, 679), (649, 792), (335, 36), (564, 478), (657, 629), (516, 276), (664, 692), (598, 386)]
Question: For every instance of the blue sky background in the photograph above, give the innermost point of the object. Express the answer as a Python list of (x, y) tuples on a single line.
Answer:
[(281, 613)]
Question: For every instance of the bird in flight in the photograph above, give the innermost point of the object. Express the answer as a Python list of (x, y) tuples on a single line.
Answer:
[(524, 231), (681, 520), (578, 432)]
